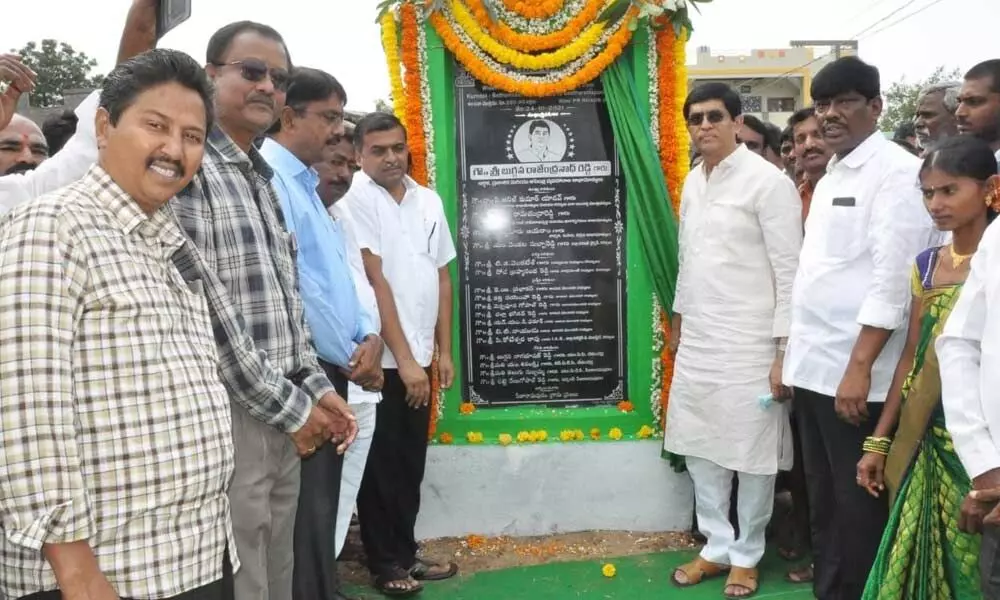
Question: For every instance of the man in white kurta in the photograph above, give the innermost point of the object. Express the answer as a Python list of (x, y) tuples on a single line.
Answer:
[(740, 236)]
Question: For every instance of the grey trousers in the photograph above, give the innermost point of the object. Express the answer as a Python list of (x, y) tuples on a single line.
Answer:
[(989, 563), (264, 496)]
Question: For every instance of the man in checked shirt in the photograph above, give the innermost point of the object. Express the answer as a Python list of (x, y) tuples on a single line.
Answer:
[(231, 213), (115, 428)]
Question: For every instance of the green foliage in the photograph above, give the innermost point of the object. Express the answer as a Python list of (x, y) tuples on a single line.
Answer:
[(59, 68), (901, 97), (383, 106)]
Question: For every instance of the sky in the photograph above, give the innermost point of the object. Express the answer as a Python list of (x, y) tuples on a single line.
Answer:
[(341, 37)]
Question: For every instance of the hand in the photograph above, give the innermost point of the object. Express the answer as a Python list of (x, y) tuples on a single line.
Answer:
[(376, 384), (675, 343), (974, 510), (988, 500), (871, 473), (366, 363), (446, 371), (851, 402), (779, 391), (314, 433), (19, 79), (344, 427), (418, 386)]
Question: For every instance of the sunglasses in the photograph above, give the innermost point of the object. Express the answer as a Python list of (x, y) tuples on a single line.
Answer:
[(714, 117), (255, 70)]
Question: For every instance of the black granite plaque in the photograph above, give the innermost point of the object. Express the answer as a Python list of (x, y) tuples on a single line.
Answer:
[(542, 248)]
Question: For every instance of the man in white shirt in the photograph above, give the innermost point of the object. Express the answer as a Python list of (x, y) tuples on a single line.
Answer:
[(740, 236), (978, 110), (406, 246), (335, 174), (851, 299)]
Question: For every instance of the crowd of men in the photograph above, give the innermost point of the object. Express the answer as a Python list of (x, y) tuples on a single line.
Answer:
[(221, 307), (796, 250)]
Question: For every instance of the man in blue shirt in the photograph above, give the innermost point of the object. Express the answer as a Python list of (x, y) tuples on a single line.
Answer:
[(344, 333)]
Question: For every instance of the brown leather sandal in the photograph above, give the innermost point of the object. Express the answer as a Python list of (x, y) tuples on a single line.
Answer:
[(742, 578), (697, 571)]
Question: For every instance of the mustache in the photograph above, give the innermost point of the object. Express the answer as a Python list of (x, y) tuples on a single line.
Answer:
[(261, 99), (19, 168), (163, 160)]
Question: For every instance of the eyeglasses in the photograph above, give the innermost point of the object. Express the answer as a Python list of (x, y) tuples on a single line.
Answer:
[(255, 70), (752, 145), (714, 117), (331, 118)]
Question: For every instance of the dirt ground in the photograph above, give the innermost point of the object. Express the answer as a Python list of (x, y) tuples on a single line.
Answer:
[(477, 553)]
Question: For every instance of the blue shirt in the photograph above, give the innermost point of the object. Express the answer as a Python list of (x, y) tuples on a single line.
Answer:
[(333, 312)]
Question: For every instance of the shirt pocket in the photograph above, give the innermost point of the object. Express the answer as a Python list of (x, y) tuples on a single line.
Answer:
[(845, 232)]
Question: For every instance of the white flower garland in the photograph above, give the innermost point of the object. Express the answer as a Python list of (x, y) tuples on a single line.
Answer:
[(653, 67), (656, 384), (536, 26), (425, 101)]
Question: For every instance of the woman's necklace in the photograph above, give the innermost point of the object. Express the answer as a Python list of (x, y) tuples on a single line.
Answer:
[(957, 259)]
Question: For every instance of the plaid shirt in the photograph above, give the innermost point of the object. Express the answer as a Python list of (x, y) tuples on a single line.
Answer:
[(115, 428), (246, 260)]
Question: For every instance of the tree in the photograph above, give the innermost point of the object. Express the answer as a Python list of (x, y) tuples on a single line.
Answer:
[(59, 68), (383, 106), (901, 97)]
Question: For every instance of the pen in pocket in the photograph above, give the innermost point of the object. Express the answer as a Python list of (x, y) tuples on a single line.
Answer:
[(433, 229)]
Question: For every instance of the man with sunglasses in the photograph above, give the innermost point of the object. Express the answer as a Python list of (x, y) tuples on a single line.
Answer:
[(866, 223), (740, 235), (345, 334), (231, 213)]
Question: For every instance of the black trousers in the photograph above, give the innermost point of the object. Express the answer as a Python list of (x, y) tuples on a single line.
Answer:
[(846, 522), (315, 576), (389, 498), (989, 563), (218, 590)]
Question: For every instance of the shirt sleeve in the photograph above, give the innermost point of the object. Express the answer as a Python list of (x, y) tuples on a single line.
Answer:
[(446, 246), (897, 232), (43, 497), (679, 308), (779, 213), (251, 380), (364, 215), (959, 350), (63, 168)]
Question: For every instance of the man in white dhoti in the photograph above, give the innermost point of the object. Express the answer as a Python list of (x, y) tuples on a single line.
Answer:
[(740, 236)]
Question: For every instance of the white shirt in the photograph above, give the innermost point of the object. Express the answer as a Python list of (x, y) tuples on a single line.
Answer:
[(366, 294), (866, 224), (740, 237), (63, 168), (968, 351), (413, 240)]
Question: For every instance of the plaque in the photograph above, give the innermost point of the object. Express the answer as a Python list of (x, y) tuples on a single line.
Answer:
[(541, 248)]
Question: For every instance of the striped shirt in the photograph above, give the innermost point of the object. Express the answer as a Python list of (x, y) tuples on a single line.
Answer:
[(115, 428), (246, 260)]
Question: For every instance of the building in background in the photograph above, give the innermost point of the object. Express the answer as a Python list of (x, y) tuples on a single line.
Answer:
[(773, 83)]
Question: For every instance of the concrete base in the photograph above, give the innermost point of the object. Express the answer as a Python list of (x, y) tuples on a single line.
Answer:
[(552, 488)]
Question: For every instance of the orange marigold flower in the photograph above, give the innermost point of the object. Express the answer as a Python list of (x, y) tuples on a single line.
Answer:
[(595, 433), (446, 438), (626, 406), (467, 408)]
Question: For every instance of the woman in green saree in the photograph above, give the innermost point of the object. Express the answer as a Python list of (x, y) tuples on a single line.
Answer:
[(923, 554)]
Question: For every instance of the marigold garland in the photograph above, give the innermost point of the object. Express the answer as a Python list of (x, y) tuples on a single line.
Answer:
[(414, 106), (541, 87), (534, 9), (526, 42), (520, 60), (390, 43)]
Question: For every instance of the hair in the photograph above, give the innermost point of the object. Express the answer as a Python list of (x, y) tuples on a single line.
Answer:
[(58, 128), (987, 68), (150, 69), (538, 124), (786, 134), (221, 40), (950, 91), (800, 116), (307, 85), (375, 122), (904, 130), (772, 137), (756, 125), (962, 156), (715, 91), (844, 75)]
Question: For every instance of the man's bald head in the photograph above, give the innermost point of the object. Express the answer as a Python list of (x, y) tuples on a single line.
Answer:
[(22, 146)]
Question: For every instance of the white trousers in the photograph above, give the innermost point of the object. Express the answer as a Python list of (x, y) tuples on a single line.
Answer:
[(755, 501), (354, 465)]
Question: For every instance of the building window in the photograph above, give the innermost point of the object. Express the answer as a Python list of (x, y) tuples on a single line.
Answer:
[(780, 105), (751, 104), (746, 89)]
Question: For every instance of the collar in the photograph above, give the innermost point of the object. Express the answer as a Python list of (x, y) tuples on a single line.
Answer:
[(126, 210), (281, 159), (226, 150), (734, 158), (860, 155), (409, 183)]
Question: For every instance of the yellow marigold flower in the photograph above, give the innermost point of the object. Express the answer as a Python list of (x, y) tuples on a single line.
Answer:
[(578, 435), (645, 432), (615, 433), (474, 437), (523, 436), (609, 570), (541, 435), (595, 433), (567, 435), (505, 439)]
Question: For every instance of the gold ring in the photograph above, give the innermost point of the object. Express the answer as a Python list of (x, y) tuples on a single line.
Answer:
[(311, 450)]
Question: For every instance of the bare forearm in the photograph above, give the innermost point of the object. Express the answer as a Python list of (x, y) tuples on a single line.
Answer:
[(675, 325), (392, 330), (894, 401), (443, 330), (76, 570), (868, 347), (139, 34)]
